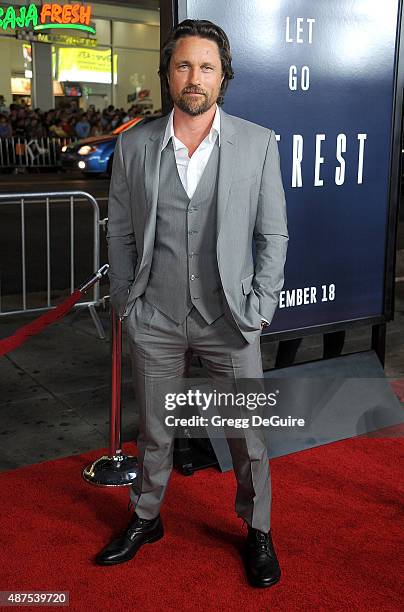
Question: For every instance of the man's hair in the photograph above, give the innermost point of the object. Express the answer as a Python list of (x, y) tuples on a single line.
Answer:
[(203, 29)]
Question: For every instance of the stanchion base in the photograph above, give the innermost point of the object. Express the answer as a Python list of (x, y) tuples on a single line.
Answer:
[(117, 471)]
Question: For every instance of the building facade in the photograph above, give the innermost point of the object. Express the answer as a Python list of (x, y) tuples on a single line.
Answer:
[(113, 60)]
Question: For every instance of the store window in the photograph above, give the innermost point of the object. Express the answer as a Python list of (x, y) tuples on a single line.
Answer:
[(137, 47), (137, 80), (85, 65)]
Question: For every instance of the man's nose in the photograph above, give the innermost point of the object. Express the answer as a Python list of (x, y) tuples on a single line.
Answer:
[(195, 76)]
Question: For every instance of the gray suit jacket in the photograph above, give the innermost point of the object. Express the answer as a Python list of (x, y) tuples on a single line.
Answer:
[(250, 204)]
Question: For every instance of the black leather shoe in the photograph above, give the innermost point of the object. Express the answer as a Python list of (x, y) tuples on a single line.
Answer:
[(139, 531), (260, 559)]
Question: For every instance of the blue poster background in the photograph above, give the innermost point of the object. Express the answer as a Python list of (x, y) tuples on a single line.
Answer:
[(337, 232)]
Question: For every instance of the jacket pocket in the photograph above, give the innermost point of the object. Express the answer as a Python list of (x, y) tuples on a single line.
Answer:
[(246, 284)]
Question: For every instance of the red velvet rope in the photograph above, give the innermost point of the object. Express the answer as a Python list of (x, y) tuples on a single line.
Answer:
[(37, 325)]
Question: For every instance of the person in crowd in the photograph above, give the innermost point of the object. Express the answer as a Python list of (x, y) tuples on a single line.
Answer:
[(83, 127), (115, 121), (3, 106), (56, 130), (5, 127), (96, 128), (35, 130), (49, 119), (20, 130)]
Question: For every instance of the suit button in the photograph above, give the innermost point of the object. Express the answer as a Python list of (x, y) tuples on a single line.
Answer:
[(192, 277)]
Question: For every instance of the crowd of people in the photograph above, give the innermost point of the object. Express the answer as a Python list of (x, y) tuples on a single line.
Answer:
[(20, 120)]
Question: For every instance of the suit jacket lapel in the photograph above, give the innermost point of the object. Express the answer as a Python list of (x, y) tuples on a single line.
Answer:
[(227, 163), (151, 181), (152, 164)]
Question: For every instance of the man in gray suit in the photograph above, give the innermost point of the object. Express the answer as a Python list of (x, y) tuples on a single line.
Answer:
[(189, 194)]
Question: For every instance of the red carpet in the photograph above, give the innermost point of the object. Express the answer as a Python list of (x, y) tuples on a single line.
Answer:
[(337, 525)]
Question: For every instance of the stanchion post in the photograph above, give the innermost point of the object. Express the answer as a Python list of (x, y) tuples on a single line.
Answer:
[(115, 469), (116, 384)]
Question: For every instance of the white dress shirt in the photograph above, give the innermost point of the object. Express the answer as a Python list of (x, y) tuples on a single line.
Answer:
[(190, 169)]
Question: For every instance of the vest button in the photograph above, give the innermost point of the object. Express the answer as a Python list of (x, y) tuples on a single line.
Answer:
[(192, 277)]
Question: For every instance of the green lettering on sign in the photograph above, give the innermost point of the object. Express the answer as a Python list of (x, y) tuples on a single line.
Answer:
[(22, 17), (32, 16)]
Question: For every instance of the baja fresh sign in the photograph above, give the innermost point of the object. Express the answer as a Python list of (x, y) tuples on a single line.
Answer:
[(47, 17)]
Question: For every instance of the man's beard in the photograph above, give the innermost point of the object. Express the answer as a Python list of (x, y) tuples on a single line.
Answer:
[(194, 106)]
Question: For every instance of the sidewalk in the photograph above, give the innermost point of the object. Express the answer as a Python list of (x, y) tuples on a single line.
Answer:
[(55, 389)]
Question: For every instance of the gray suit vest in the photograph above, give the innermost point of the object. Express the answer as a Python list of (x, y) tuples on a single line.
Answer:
[(184, 270)]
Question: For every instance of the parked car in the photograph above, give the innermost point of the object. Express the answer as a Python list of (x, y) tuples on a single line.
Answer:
[(94, 155)]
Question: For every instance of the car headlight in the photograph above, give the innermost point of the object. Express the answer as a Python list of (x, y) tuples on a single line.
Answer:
[(86, 150)]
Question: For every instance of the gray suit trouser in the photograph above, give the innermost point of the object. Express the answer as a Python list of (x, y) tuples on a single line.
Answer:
[(159, 349)]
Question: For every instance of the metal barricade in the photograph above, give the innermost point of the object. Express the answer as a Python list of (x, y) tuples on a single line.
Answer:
[(50, 200), (17, 152)]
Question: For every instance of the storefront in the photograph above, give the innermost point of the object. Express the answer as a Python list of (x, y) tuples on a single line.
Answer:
[(108, 54)]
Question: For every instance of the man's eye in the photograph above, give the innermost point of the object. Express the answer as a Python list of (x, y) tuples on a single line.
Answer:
[(207, 68), (182, 67)]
